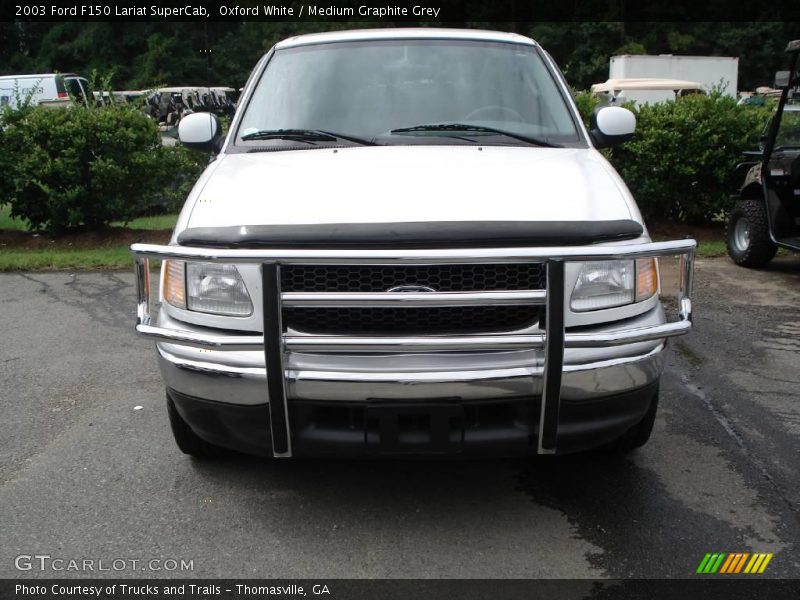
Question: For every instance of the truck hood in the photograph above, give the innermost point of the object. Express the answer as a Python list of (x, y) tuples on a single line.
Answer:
[(403, 184)]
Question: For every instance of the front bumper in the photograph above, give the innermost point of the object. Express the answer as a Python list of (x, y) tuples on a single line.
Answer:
[(541, 378), (502, 428), (241, 377)]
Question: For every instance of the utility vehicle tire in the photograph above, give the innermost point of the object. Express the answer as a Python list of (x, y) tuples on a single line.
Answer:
[(188, 441), (747, 235), (638, 435)]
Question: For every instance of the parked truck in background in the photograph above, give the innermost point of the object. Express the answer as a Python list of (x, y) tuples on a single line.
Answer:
[(51, 89)]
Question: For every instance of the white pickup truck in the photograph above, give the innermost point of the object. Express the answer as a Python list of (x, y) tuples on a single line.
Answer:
[(407, 243)]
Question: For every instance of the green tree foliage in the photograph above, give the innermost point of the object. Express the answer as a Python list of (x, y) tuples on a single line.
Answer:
[(679, 164), (65, 168), (582, 63), (147, 53), (86, 167), (586, 103)]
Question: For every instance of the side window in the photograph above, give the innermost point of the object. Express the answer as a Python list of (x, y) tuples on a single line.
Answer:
[(789, 131), (84, 86), (75, 89), (61, 90)]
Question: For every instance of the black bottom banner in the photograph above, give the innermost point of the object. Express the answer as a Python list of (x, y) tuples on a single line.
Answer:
[(411, 589)]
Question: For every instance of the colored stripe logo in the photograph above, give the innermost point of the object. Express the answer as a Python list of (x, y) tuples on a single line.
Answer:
[(734, 563)]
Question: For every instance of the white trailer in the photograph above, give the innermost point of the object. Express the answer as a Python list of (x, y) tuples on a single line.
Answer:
[(710, 71)]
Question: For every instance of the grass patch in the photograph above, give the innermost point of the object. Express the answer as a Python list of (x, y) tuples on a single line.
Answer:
[(110, 252), (711, 248), (109, 249), (710, 239), (7, 222), (119, 258), (115, 257), (155, 223)]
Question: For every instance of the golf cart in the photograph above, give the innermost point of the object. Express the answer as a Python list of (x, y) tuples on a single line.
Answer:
[(767, 215), (641, 90)]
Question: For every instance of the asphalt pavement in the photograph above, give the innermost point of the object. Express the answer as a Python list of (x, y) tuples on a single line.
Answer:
[(86, 475)]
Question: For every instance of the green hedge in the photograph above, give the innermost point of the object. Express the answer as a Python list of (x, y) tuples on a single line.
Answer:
[(586, 102), (680, 162), (86, 167), (66, 168)]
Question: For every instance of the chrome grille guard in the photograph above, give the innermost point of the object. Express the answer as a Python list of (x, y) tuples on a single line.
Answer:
[(274, 342)]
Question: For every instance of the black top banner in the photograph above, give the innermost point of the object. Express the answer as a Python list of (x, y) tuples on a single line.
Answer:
[(427, 12)]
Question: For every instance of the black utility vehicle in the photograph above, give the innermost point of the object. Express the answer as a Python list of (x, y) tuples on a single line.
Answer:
[(767, 216)]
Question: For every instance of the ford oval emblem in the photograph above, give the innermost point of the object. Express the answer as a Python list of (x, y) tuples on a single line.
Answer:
[(411, 289)]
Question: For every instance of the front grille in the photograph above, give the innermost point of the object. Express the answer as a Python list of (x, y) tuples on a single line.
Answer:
[(442, 278), (411, 320)]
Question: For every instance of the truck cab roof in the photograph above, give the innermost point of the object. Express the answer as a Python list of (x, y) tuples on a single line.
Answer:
[(404, 33), (38, 75)]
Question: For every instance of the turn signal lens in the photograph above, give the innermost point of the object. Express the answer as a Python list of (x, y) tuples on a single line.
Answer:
[(175, 283), (646, 278)]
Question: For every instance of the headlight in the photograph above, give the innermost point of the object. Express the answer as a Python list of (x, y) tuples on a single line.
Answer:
[(611, 283), (206, 287)]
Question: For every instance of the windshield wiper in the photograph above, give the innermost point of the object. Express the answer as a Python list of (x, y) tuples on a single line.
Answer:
[(461, 127), (309, 136)]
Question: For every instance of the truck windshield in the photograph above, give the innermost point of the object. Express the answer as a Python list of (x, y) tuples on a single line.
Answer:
[(408, 92)]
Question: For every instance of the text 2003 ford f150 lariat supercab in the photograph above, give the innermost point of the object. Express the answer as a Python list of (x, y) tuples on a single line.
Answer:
[(408, 244)]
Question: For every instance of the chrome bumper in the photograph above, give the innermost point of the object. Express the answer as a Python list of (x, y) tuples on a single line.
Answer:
[(203, 377), (551, 378)]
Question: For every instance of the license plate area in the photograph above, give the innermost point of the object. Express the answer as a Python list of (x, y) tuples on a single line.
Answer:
[(414, 428)]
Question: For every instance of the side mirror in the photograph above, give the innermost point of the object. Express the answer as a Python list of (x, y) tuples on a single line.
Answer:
[(200, 131), (612, 125)]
